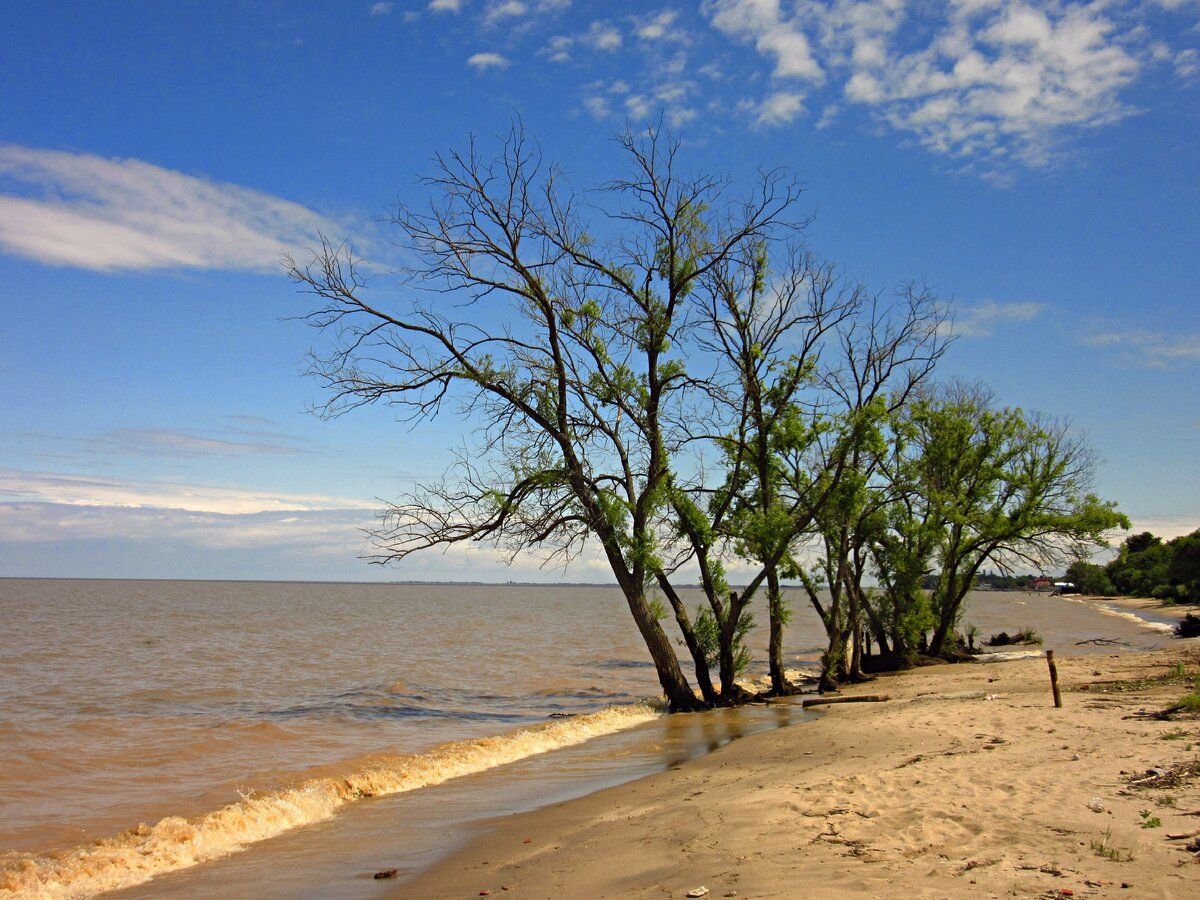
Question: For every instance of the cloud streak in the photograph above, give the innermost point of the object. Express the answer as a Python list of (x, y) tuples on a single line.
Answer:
[(86, 490), (92, 212), (982, 319), (1149, 348)]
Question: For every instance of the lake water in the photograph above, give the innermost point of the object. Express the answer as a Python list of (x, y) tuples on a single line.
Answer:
[(148, 726)]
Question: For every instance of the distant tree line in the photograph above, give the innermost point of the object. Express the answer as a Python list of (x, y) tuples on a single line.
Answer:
[(1145, 566), (665, 372)]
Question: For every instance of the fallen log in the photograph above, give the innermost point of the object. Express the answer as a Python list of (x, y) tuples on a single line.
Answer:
[(861, 698)]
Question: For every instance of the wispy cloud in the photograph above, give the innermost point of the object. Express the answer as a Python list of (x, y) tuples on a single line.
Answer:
[(91, 212), (244, 436), (1165, 527), (981, 319), (1149, 348), (445, 6), (660, 26), (84, 490), (381, 9), (482, 62)]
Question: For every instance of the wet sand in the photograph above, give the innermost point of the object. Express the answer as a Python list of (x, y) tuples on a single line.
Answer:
[(968, 782)]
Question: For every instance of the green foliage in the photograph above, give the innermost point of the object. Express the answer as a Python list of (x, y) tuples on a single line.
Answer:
[(1149, 820), (1147, 567), (658, 609), (1090, 578), (708, 635)]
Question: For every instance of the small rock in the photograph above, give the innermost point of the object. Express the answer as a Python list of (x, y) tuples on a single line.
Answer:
[(1096, 805), (1075, 756), (387, 873), (698, 892)]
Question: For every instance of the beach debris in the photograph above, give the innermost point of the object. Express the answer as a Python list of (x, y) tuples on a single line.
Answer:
[(958, 695), (485, 893), (1096, 805), (1004, 639), (387, 873), (861, 698), (1189, 626), (698, 892), (1167, 777)]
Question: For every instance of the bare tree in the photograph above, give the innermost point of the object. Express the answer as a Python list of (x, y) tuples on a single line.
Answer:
[(559, 324)]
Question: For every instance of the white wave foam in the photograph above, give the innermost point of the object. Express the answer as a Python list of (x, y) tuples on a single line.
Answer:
[(139, 854)]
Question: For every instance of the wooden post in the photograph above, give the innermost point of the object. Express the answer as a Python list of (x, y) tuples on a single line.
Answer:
[(1054, 679)]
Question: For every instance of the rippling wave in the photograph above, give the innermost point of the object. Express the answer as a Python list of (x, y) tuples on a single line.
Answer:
[(139, 854)]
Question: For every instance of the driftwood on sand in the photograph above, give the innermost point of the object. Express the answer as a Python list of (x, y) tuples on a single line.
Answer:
[(861, 698)]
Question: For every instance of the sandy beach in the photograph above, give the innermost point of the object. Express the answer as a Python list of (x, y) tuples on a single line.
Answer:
[(966, 783)]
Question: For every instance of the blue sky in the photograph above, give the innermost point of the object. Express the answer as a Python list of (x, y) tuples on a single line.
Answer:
[(1038, 164)]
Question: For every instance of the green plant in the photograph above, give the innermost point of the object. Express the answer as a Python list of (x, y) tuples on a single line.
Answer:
[(1149, 820), (1104, 847), (1191, 702), (1167, 800), (1172, 735)]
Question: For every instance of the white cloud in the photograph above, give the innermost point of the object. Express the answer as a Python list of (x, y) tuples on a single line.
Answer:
[(504, 9), (780, 108), (981, 319), (484, 61), (659, 26), (438, 6), (381, 9), (1187, 63), (1166, 527), (72, 209), (603, 36), (763, 23), (599, 107), (970, 78), (86, 490), (1148, 348), (558, 49)]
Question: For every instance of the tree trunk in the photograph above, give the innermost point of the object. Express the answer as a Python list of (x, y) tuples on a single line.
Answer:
[(779, 682), (730, 692), (680, 697), (703, 679)]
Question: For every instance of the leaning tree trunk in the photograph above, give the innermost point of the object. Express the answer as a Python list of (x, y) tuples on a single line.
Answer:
[(680, 697), (703, 678)]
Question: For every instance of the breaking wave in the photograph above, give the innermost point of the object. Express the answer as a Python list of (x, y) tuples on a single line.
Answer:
[(173, 843)]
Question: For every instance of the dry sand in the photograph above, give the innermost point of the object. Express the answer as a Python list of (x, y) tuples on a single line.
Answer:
[(967, 783)]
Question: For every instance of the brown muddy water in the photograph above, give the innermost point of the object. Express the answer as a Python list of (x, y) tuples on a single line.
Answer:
[(331, 730)]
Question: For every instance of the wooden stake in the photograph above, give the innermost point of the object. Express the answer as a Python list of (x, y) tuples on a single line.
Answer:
[(1054, 679)]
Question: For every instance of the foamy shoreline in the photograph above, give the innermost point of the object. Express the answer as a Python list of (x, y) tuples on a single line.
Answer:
[(967, 783)]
